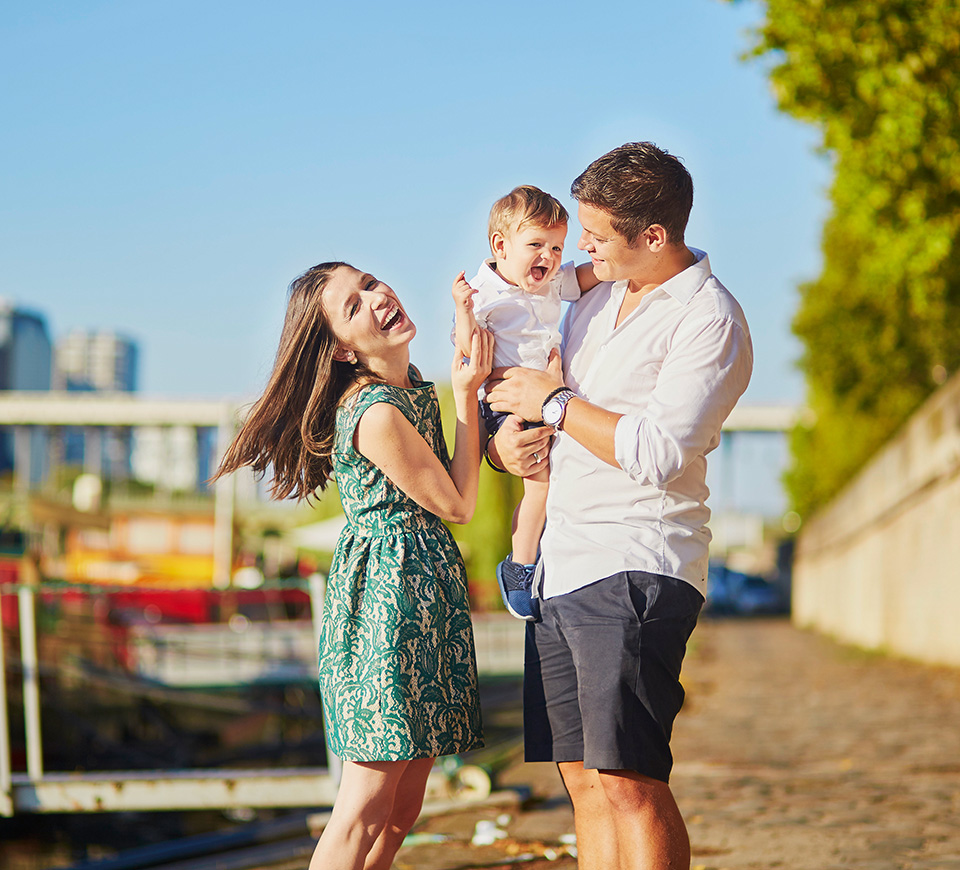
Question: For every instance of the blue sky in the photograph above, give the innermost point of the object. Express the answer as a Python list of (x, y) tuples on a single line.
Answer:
[(169, 167)]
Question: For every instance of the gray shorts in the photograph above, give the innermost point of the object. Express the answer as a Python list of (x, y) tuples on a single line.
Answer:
[(602, 673)]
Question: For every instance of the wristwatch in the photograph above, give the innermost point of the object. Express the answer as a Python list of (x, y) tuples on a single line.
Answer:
[(555, 407)]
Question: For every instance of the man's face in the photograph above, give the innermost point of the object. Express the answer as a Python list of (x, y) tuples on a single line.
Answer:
[(614, 259), (530, 256)]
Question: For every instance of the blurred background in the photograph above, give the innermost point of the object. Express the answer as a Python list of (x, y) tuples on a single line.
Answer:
[(170, 167)]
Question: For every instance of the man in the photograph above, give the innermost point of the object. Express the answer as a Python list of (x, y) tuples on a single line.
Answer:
[(652, 365)]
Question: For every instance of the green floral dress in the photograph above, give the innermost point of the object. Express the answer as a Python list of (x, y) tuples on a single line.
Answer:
[(398, 671)]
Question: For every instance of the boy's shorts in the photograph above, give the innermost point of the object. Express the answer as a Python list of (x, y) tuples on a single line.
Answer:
[(493, 420), (602, 673)]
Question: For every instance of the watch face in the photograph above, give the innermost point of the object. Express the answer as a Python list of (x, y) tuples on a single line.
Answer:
[(552, 412)]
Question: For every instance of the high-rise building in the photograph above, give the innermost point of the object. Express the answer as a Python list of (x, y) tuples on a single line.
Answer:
[(25, 352), (97, 361), (100, 361), (25, 364)]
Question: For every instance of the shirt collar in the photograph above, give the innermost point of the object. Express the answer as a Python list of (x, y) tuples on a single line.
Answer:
[(684, 285), (492, 278)]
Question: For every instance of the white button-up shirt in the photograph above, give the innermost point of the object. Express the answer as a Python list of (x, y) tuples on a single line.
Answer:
[(525, 326), (674, 368)]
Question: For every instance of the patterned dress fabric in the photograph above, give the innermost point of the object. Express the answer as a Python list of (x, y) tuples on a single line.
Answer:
[(398, 670)]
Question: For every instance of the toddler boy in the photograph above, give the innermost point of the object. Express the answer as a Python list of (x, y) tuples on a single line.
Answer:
[(516, 295)]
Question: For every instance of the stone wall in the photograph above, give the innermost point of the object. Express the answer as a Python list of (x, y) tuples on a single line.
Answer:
[(880, 566)]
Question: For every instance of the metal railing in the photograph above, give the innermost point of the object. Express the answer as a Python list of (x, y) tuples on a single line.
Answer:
[(175, 661)]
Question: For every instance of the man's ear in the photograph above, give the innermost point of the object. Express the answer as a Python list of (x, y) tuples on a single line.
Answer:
[(655, 237)]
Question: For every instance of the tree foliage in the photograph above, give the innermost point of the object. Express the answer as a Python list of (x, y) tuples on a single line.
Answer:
[(881, 325)]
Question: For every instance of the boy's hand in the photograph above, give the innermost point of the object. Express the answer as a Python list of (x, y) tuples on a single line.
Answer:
[(463, 293)]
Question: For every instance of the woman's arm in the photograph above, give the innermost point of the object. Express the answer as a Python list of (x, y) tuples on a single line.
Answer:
[(393, 444)]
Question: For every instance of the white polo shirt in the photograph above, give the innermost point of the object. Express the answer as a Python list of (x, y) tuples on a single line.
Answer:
[(675, 368)]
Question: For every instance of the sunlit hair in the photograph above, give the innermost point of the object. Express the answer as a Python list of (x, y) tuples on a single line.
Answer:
[(292, 425), (525, 204), (638, 185)]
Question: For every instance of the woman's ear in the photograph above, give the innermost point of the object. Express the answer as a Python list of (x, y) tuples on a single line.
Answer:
[(343, 354)]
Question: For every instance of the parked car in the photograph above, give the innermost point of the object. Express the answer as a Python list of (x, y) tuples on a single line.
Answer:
[(735, 593)]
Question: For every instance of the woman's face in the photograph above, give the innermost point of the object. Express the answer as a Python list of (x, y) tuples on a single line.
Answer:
[(365, 316)]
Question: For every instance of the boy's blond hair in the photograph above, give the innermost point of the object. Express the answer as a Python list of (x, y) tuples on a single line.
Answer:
[(525, 204)]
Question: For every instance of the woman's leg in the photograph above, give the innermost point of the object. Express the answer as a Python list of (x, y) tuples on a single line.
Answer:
[(407, 802), (362, 811)]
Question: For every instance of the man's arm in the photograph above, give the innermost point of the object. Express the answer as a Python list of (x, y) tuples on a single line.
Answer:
[(523, 391), (697, 387)]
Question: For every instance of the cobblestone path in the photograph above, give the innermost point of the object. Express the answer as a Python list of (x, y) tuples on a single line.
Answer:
[(792, 752), (795, 752)]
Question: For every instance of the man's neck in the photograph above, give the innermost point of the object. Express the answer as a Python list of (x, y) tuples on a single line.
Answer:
[(674, 261)]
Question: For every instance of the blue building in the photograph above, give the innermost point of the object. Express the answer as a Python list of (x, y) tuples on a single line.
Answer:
[(26, 357)]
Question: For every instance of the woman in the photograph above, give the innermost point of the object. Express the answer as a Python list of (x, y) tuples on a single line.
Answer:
[(397, 665)]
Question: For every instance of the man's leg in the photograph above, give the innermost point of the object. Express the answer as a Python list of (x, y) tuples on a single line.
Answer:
[(651, 834), (625, 820), (597, 834)]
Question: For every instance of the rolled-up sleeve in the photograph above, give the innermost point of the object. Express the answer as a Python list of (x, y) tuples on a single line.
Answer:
[(704, 374)]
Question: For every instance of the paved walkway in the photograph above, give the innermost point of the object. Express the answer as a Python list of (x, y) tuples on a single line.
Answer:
[(792, 752)]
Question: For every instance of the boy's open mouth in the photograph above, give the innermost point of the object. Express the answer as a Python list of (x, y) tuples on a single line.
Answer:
[(538, 273)]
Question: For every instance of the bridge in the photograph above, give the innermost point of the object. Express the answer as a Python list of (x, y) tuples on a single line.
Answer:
[(26, 412)]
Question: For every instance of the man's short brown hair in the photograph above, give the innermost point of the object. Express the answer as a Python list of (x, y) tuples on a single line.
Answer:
[(525, 204), (639, 185)]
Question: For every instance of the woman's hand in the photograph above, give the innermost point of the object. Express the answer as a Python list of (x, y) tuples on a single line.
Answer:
[(468, 374)]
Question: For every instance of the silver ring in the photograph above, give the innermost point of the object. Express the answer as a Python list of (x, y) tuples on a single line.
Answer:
[(536, 457)]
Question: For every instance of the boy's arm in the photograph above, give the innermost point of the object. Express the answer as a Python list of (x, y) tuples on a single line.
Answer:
[(585, 277), (465, 321)]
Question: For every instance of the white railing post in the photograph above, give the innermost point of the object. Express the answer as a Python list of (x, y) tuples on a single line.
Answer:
[(31, 682), (224, 502), (6, 773)]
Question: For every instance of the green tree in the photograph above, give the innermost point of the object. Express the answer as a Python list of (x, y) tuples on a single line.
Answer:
[(881, 325)]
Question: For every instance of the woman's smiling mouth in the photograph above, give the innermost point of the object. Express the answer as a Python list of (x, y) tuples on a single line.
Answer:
[(392, 319)]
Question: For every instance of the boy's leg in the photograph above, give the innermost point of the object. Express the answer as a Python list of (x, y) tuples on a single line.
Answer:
[(530, 516)]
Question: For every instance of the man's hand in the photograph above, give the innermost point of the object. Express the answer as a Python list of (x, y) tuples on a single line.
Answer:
[(520, 451), (522, 391)]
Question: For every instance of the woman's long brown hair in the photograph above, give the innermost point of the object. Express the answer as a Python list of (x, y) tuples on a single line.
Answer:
[(293, 424)]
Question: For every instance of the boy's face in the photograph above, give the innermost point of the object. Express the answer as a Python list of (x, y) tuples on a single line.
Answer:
[(529, 257)]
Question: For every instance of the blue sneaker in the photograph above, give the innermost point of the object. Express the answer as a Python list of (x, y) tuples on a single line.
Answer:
[(516, 589)]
